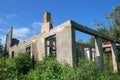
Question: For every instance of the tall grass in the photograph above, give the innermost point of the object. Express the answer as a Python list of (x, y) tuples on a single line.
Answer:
[(49, 69)]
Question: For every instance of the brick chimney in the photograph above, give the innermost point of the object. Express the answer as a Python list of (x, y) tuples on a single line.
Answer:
[(47, 25)]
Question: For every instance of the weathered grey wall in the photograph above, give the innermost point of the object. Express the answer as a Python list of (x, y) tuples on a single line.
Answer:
[(34, 51), (114, 57), (41, 48), (9, 40), (65, 46), (99, 53), (21, 47)]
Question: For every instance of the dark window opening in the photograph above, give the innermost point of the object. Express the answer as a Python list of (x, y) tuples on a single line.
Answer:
[(28, 49), (12, 54), (51, 46)]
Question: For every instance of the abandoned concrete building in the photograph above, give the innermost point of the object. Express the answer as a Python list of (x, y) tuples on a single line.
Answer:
[(60, 42)]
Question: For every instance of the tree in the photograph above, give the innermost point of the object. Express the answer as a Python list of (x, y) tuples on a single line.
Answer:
[(1, 49), (114, 23), (102, 30), (91, 41)]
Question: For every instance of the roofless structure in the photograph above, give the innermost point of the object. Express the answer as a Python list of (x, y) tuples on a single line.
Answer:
[(60, 42)]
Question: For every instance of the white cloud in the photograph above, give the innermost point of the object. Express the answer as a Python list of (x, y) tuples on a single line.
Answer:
[(3, 37), (2, 21), (36, 24), (9, 16), (21, 33), (37, 27)]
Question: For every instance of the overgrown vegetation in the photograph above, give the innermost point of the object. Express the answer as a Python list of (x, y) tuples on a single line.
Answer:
[(1, 49), (20, 68), (14, 68), (113, 28)]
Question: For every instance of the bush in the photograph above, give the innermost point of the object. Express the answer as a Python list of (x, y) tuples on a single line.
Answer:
[(14, 68), (50, 69), (7, 69), (23, 63), (46, 69)]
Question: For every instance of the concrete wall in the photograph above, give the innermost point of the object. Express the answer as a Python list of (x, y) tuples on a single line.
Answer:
[(21, 47), (65, 46), (9, 40), (41, 48)]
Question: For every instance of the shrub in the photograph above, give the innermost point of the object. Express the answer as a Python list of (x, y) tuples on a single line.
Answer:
[(14, 68), (50, 69), (7, 69), (23, 63)]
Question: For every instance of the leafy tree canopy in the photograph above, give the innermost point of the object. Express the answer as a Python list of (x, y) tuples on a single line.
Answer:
[(1, 48), (114, 23)]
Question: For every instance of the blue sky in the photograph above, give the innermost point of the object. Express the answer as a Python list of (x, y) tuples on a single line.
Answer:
[(26, 16)]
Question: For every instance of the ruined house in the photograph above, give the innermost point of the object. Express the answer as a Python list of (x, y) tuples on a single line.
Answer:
[(60, 42)]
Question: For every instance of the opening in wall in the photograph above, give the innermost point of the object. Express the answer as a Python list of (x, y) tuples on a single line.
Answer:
[(12, 54), (84, 48), (50, 46), (28, 49)]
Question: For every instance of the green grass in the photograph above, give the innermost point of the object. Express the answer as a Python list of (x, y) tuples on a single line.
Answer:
[(50, 69)]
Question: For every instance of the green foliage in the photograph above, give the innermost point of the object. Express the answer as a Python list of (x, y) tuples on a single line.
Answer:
[(114, 23), (102, 30), (14, 68), (50, 69), (7, 69), (91, 41), (118, 54), (46, 69), (114, 17), (115, 32), (1, 49), (23, 62)]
